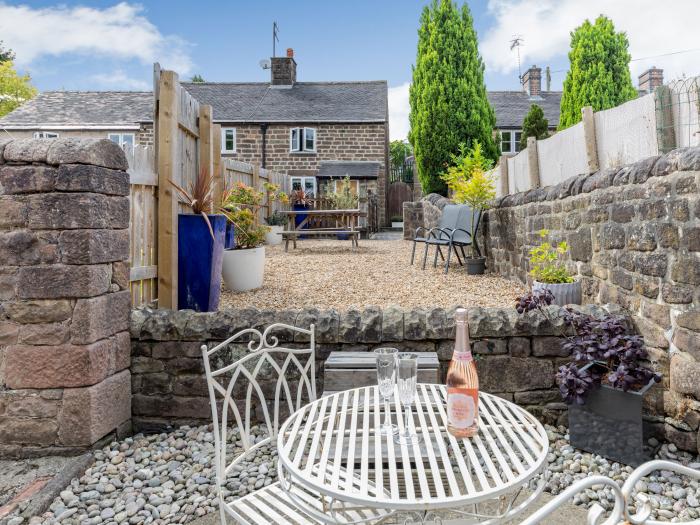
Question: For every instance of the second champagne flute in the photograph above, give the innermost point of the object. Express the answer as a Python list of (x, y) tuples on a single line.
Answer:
[(386, 380), (406, 378)]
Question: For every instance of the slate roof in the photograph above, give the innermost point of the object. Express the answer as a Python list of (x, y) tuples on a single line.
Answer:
[(512, 106), (303, 102), (83, 108), (338, 169)]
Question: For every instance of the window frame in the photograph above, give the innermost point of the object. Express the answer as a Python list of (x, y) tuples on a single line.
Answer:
[(45, 135), (513, 141), (121, 136), (354, 185), (302, 182), (300, 144), (223, 139)]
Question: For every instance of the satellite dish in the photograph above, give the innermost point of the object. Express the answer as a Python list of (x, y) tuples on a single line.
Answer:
[(265, 63)]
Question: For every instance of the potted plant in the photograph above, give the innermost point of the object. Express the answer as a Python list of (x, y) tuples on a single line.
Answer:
[(471, 183), (244, 265), (343, 198), (397, 221), (605, 383), (277, 221), (200, 247), (300, 201), (549, 272)]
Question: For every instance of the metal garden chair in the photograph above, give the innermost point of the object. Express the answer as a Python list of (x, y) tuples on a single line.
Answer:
[(262, 356), (448, 221)]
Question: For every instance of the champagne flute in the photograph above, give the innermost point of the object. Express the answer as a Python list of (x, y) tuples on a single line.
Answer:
[(407, 376), (386, 379)]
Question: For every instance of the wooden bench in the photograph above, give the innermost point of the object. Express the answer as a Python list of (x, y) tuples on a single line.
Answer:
[(343, 370), (292, 235)]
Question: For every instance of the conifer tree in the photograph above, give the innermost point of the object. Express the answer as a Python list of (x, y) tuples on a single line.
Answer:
[(15, 89), (449, 105), (599, 74), (534, 125)]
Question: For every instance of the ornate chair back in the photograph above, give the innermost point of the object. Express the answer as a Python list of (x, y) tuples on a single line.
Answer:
[(229, 375)]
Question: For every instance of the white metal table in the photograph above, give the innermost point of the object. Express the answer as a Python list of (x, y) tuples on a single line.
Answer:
[(333, 447)]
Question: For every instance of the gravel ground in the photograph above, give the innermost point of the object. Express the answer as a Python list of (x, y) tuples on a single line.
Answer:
[(328, 274), (168, 478)]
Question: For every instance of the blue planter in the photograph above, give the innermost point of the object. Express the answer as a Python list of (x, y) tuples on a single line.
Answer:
[(230, 239), (300, 217), (199, 262), (343, 236)]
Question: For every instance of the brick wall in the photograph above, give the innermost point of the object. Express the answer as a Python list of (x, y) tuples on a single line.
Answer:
[(64, 344), (363, 142), (517, 356), (634, 234)]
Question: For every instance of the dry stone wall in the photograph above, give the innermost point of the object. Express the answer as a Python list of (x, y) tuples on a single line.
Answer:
[(517, 356), (64, 299), (634, 234)]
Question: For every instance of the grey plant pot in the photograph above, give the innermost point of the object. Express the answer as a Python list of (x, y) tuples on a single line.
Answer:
[(475, 265), (610, 424), (564, 293)]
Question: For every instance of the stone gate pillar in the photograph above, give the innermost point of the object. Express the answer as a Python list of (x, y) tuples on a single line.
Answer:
[(64, 299)]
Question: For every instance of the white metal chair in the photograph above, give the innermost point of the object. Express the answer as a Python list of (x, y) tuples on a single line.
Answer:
[(275, 503), (623, 497)]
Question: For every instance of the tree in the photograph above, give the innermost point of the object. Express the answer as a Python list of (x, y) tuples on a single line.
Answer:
[(398, 151), (6, 55), (534, 125), (448, 98), (198, 79), (14, 88), (599, 74)]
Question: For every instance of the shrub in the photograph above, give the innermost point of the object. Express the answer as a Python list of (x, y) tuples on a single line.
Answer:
[(546, 265)]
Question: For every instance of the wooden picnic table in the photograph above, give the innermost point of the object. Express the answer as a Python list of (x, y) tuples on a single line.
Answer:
[(344, 222)]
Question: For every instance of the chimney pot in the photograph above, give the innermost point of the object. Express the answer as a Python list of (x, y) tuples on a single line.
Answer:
[(290, 52), (650, 79)]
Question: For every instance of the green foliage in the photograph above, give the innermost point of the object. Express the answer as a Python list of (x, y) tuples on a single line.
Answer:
[(14, 89), (6, 55), (599, 74), (546, 265), (449, 105), (397, 218), (197, 78), (240, 205), (534, 125), (277, 219), (343, 198), (398, 151)]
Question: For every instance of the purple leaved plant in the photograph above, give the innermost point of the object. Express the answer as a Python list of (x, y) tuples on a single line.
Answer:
[(614, 355)]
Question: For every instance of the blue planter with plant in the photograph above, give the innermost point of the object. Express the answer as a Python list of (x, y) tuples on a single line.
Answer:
[(230, 238), (199, 262)]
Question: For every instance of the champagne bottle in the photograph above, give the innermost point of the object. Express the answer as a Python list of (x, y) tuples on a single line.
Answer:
[(462, 383)]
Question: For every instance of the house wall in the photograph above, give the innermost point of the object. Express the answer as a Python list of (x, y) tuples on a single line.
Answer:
[(341, 141), (144, 135)]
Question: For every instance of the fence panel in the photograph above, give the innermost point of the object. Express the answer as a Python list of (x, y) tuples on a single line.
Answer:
[(626, 133), (519, 167), (562, 155), (685, 100), (143, 226)]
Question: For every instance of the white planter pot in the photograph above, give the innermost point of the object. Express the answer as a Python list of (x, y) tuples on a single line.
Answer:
[(564, 293), (273, 237), (397, 224), (243, 269)]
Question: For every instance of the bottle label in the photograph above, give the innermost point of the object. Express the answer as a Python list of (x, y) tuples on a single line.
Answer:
[(462, 406)]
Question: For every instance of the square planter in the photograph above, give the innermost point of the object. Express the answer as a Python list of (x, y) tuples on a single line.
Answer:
[(610, 424)]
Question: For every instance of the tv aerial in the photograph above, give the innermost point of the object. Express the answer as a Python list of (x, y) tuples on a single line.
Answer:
[(265, 63), (516, 43)]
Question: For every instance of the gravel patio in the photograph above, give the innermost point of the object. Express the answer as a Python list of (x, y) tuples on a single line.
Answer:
[(329, 274)]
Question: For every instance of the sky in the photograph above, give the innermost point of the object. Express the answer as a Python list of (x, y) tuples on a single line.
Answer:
[(103, 45)]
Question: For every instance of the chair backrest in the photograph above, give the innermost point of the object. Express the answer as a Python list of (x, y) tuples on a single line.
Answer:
[(449, 217), (464, 222), (262, 359)]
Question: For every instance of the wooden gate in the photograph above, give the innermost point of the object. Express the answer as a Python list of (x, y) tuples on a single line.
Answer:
[(399, 192)]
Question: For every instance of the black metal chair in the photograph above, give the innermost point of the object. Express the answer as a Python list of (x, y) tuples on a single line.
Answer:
[(457, 237), (448, 221)]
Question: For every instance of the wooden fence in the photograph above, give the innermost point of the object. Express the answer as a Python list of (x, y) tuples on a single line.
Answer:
[(186, 141)]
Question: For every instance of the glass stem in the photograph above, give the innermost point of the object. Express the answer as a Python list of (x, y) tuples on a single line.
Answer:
[(387, 408), (407, 412)]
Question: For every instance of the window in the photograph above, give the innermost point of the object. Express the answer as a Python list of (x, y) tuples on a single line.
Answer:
[(518, 135), (510, 141), (354, 186), (308, 184), (302, 140), (228, 140), (125, 140), (45, 135)]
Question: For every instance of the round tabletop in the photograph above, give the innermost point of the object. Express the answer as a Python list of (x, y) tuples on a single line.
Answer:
[(333, 446)]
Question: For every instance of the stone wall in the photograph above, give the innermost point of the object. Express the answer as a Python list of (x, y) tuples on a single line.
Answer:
[(424, 213), (634, 236), (517, 356), (342, 141), (64, 302)]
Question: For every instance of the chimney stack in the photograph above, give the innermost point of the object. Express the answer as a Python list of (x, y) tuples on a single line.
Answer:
[(284, 70), (532, 81), (651, 79)]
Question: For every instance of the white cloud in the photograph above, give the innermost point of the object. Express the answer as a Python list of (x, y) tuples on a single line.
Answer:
[(398, 112), (121, 31), (653, 28), (120, 80)]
